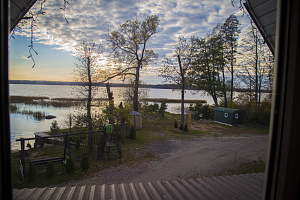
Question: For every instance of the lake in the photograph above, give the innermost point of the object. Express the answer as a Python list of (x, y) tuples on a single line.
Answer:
[(24, 125)]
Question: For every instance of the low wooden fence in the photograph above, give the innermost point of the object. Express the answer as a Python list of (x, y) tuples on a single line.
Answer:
[(100, 151)]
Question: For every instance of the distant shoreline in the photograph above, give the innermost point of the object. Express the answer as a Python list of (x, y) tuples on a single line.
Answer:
[(158, 86), (155, 86)]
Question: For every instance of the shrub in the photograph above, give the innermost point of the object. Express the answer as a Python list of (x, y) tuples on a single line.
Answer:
[(162, 109), (31, 173), (185, 129), (132, 134), (175, 125), (54, 128), (28, 145), (69, 166), (84, 164), (181, 127), (50, 170)]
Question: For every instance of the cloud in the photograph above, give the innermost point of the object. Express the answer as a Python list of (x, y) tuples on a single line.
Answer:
[(92, 20), (25, 57)]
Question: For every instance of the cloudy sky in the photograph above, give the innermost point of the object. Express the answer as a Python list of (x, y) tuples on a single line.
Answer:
[(55, 40)]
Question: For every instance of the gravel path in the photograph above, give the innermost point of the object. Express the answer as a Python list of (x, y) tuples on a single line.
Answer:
[(184, 159)]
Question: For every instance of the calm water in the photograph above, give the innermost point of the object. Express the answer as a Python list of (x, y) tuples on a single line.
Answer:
[(25, 125)]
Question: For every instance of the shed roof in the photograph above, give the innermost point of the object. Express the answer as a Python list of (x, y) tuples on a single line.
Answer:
[(135, 113), (228, 110)]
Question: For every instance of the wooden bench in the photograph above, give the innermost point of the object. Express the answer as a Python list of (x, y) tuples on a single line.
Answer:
[(44, 162)]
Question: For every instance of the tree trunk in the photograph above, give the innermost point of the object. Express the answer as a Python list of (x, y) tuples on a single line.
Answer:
[(224, 81), (89, 101), (182, 91), (136, 89), (231, 94), (224, 88), (123, 139), (256, 70)]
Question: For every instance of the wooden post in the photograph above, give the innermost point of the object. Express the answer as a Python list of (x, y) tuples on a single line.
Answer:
[(65, 147), (23, 157), (111, 103), (101, 146)]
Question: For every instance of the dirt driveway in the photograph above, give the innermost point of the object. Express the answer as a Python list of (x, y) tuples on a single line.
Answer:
[(184, 159)]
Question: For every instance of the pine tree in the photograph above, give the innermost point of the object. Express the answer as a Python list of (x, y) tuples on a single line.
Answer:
[(230, 31)]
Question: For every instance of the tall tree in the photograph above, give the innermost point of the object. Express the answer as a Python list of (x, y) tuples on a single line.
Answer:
[(230, 30), (87, 73), (129, 47), (205, 69), (255, 63), (175, 69)]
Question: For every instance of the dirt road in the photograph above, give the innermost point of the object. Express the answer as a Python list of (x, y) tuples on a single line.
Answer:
[(184, 159)]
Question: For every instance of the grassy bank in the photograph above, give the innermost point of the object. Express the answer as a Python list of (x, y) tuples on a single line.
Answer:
[(133, 151)]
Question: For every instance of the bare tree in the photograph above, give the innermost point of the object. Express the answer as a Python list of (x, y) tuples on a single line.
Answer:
[(87, 73), (175, 69), (255, 63), (129, 47)]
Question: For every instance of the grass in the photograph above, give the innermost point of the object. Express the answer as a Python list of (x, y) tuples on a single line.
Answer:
[(133, 151)]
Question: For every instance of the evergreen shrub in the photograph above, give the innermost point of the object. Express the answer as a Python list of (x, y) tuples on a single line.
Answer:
[(175, 125), (181, 127), (185, 129)]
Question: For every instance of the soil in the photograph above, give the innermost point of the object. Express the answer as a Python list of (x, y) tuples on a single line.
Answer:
[(187, 159)]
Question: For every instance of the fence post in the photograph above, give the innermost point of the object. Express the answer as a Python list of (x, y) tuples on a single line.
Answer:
[(23, 172), (101, 146)]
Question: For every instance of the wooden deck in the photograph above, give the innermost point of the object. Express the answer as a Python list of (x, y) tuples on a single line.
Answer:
[(248, 187)]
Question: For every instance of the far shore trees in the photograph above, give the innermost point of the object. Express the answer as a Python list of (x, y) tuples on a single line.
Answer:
[(87, 74), (129, 47)]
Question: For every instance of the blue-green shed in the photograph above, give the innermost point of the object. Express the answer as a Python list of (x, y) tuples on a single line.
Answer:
[(229, 116)]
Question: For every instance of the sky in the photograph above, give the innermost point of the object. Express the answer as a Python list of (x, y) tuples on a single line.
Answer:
[(55, 40)]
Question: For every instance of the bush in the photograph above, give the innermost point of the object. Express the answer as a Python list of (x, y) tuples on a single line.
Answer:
[(185, 129), (175, 125), (162, 109), (69, 166), (54, 128), (31, 173), (84, 164), (50, 170), (181, 127), (132, 134), (28, 145)]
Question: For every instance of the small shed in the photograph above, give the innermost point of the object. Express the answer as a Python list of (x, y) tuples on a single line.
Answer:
[(229, 116), (137, 119)]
